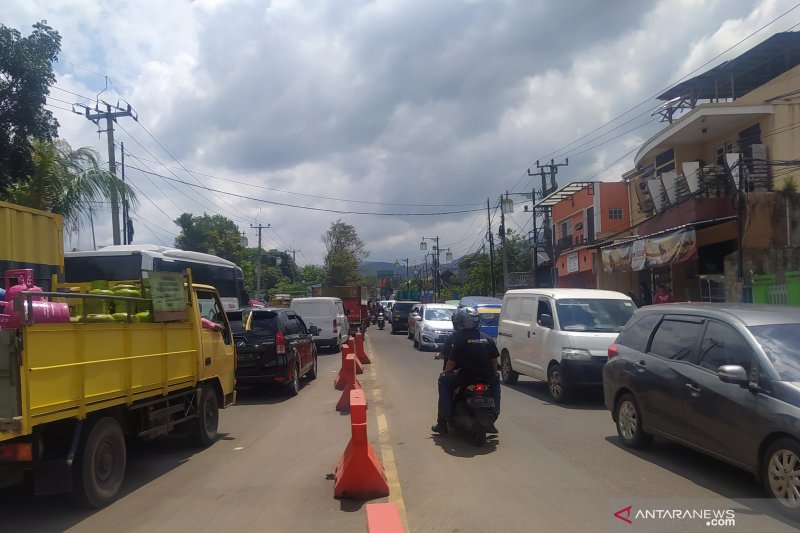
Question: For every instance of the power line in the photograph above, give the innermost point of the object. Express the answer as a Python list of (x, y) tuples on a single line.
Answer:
[(309, 208), (558, 150)]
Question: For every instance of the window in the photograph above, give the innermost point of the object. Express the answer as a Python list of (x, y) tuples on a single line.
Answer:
[(292, 324), (638, 334), (722, 345), (781, 343), (615, 213), (594, 314), (544, 309), (665, 162), (676, 339), (566, 229)]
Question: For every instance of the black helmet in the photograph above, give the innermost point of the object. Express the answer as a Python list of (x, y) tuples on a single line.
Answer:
[(465, 319)]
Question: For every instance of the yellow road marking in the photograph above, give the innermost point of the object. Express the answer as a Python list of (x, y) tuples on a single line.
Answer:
[(387, 452)]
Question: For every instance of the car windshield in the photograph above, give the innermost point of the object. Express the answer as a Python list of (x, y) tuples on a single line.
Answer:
[(781, 343), (439, 314), (594, 314)]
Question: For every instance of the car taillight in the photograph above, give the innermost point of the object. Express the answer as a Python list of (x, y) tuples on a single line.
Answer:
[(479, 388), (613, 351), (335, 326), (280, 343)]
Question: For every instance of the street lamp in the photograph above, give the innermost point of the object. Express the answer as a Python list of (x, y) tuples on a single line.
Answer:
[(397, 265)]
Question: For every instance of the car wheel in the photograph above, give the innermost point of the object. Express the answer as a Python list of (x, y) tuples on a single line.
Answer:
[(559, 391), (312, 373), (293, 387), (781, 475), (629, 423), (101, 464), (509, 376), (478, 437)]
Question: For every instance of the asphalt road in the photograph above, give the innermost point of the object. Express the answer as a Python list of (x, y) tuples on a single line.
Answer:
[(551, 469)]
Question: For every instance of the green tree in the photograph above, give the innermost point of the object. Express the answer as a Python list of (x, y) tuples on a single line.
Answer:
[(67, 182), (312, 275), (344, 251), (210, 234), (26, 74)]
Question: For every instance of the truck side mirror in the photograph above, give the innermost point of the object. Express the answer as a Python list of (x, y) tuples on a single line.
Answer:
[(314, 330), (546, 321)]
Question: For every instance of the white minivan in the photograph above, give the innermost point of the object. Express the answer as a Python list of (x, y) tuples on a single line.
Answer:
[(559, 335), (327, 313)]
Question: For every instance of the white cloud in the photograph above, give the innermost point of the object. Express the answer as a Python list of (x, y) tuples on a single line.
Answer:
[(395, 102)]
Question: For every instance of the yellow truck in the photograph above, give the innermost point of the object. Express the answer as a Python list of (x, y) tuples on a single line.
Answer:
[(71, 392), (30, 238)]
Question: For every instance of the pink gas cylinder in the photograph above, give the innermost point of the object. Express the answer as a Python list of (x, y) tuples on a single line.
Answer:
[(42, 312)]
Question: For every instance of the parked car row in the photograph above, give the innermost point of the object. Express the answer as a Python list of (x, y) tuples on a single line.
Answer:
[(723, 379), (280, 344)]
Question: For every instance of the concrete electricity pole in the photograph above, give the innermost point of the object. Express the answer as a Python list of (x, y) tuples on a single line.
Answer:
[(491, 247), (259, 227), (110, 117)]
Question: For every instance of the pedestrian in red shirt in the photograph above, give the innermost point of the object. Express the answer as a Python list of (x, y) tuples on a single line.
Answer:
[(662, 296)]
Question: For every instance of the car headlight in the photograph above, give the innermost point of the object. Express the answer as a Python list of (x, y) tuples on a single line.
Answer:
[(576, 354), (427, 329)]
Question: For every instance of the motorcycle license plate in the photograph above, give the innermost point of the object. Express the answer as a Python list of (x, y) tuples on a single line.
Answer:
[(480, 401)]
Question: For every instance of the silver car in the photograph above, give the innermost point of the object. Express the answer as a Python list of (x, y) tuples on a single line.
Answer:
[(432, 325)]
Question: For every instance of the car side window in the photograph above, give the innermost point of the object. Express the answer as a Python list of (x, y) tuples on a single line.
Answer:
[(543, 309), (292, 325), (723, 345), (301, 324), (676, 339), (637, 335)]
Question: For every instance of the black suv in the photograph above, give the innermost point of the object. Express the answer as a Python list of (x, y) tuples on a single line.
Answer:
[(273, 345), (400, 312), (719, 378)]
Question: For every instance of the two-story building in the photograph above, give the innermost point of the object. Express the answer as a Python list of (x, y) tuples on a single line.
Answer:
[(712, 194), (581, 213)]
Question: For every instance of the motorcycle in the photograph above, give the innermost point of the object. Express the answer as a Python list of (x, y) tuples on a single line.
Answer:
[(473, 411), (381, 321)]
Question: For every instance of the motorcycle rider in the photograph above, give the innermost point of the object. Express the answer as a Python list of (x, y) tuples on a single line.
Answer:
[(469, 355)]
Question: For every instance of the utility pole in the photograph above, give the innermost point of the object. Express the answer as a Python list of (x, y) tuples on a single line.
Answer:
[(503, 243), (491, 247), (127, 225), (258, 227), (546, 190), (111, 117), (294, 260)]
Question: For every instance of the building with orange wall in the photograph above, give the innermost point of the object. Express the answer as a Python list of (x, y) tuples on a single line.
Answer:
[(583, 213)]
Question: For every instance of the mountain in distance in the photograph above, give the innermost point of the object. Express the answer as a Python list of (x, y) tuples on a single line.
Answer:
[(369, 269)]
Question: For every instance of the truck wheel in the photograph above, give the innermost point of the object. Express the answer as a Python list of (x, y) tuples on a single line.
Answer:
[(100, 467), (207, 422)]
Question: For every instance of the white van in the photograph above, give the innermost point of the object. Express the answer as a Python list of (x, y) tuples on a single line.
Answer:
[(559, 335), (328, 315)]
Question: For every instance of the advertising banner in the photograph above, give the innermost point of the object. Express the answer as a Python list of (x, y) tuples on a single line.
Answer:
[(673, 247)]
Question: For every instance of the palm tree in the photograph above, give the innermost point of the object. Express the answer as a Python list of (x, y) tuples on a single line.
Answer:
[(68, 182)]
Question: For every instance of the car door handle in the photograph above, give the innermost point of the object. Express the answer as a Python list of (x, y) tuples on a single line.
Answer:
[(641, 363), (694, 388), (531, 333)]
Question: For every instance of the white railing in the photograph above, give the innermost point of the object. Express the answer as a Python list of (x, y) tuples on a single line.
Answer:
[(778, 295)]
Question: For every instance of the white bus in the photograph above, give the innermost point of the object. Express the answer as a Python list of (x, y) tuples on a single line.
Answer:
[(126, 262)]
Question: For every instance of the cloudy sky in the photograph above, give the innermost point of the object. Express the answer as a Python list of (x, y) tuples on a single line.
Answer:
[(414, 112)]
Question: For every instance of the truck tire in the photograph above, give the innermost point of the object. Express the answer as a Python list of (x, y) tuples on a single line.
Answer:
[(207, 421), (100, 466)]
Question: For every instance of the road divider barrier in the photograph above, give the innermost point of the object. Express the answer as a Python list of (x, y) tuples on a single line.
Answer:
[(348, 382), (360, 353), (347, 348), (359, 474), (384, 518)]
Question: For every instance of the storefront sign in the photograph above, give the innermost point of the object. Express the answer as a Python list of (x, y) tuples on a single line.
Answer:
[(573, 263), (674, 247)]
